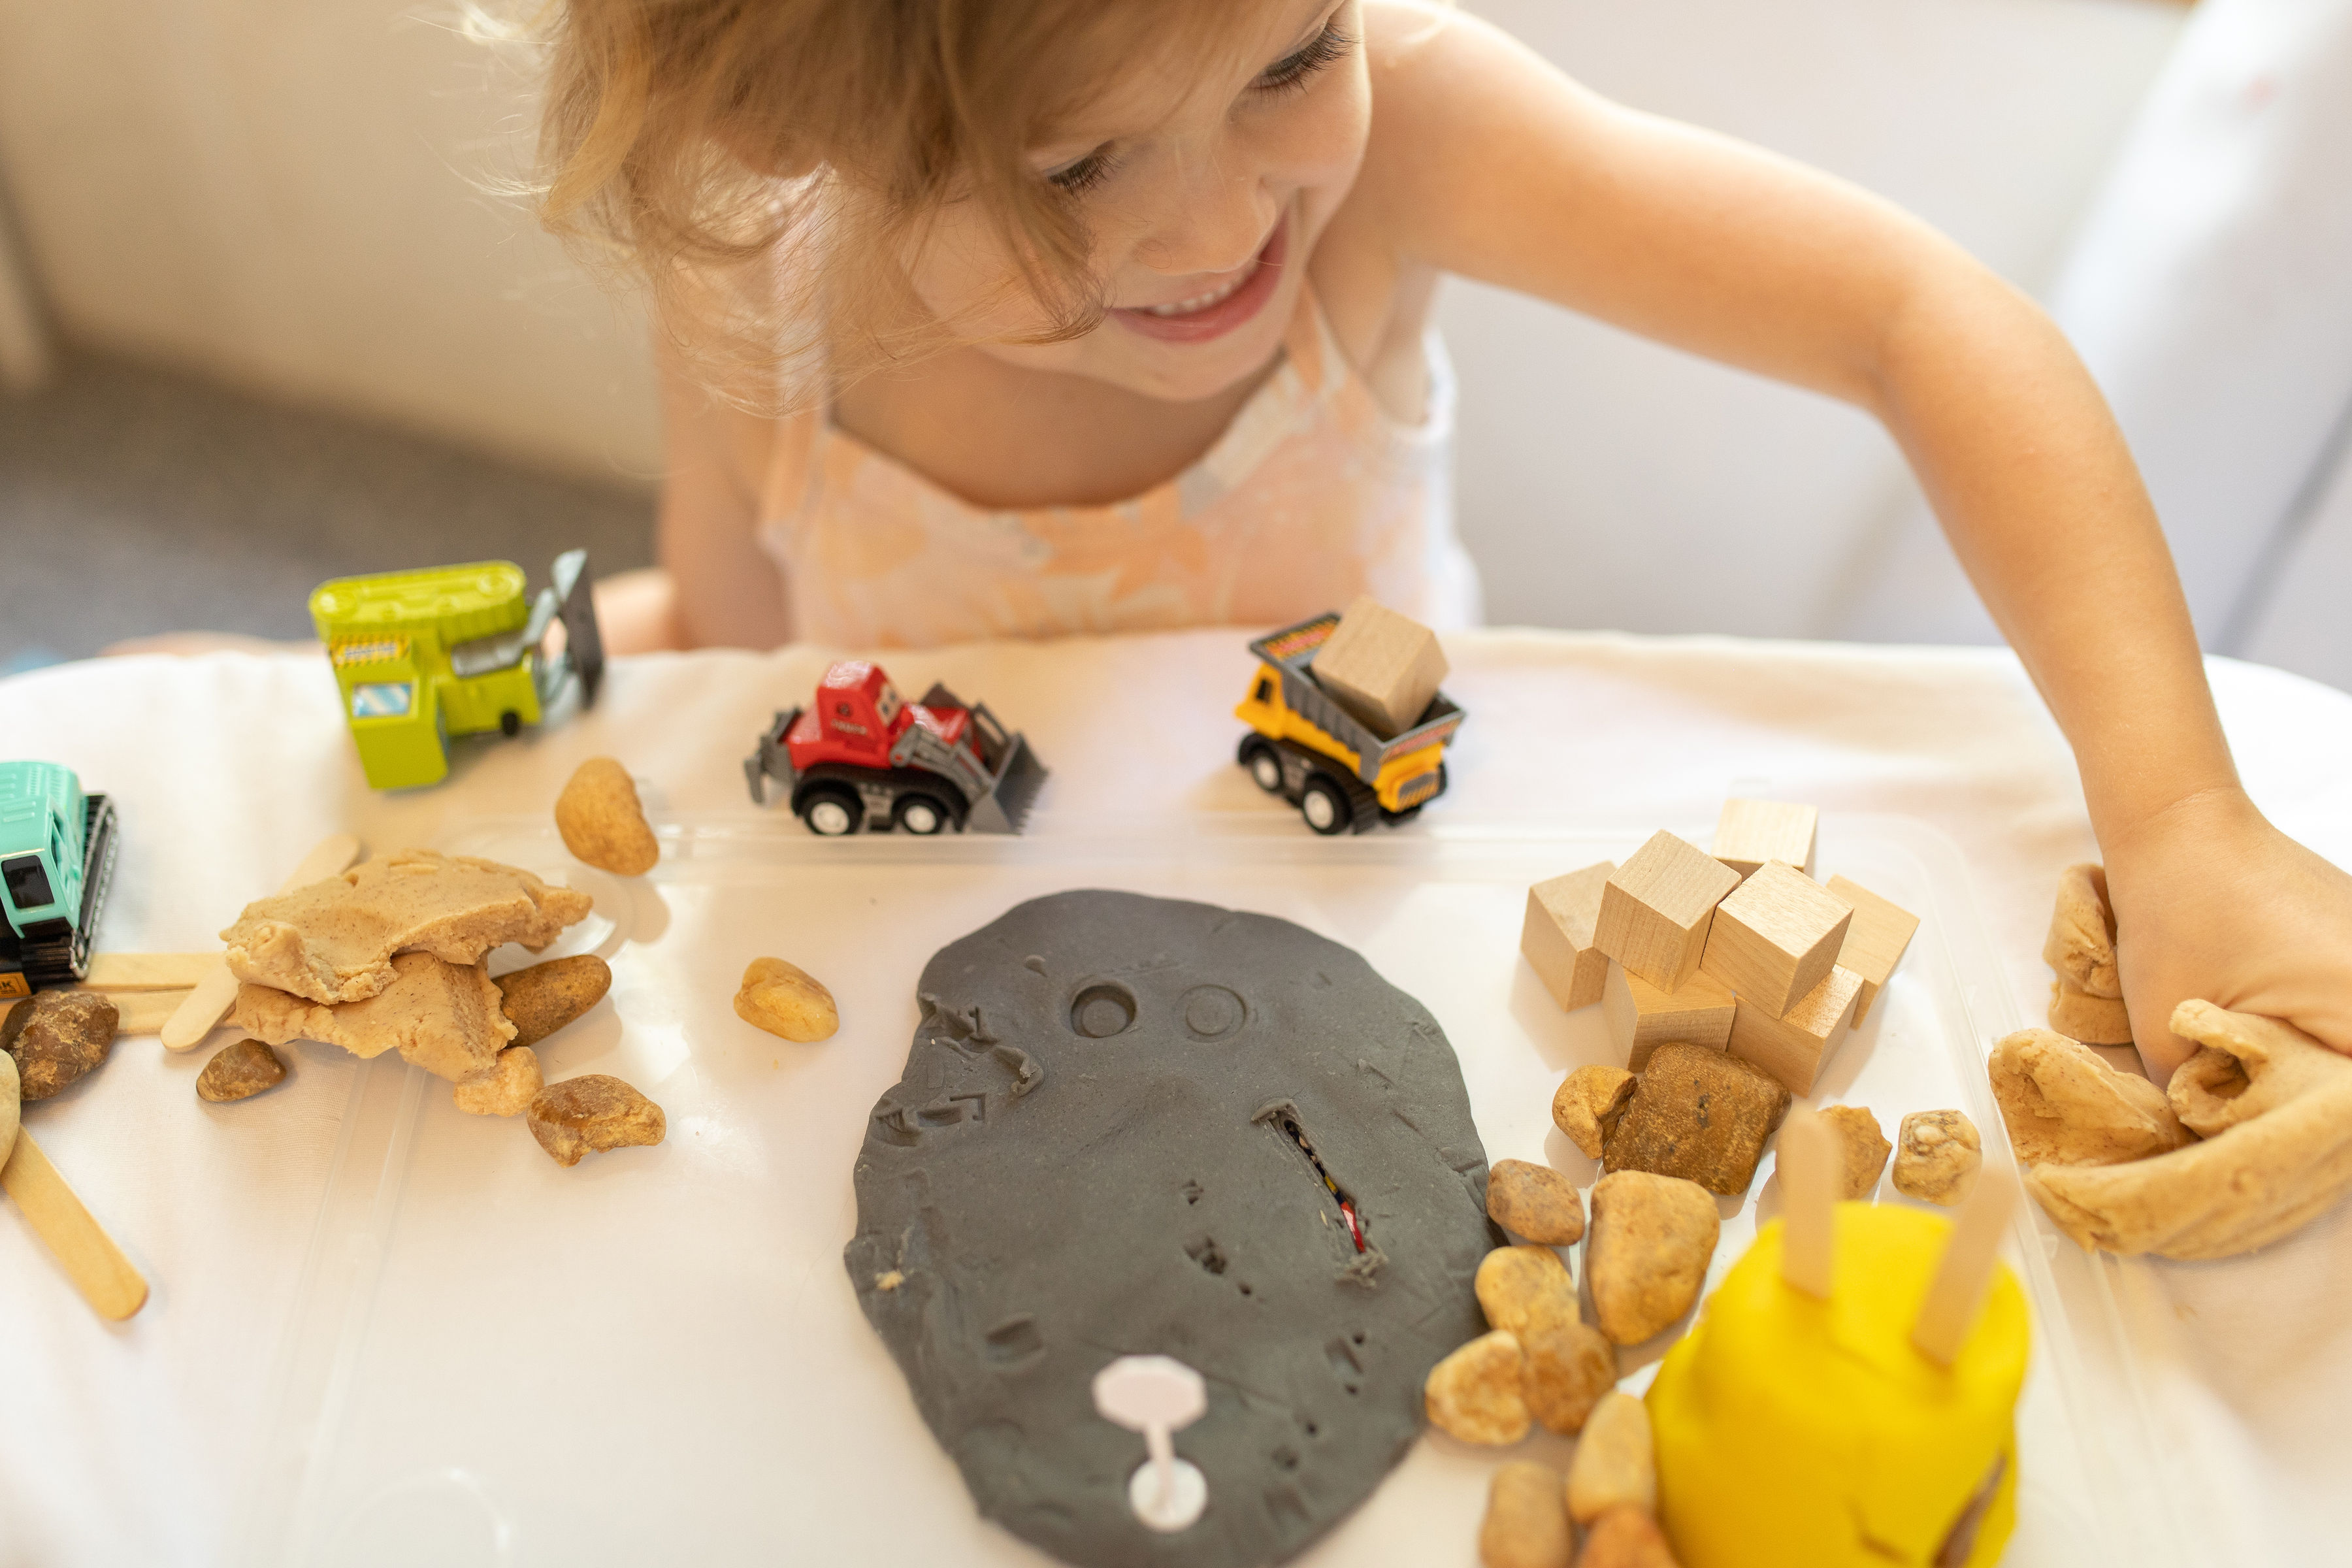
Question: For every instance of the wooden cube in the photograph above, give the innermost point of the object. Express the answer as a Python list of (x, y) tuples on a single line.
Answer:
[(1557, 935), (1793, 1047), (1381, 667), (1656, 908), (1874, 943), (1775, 937), (1750, 831), (1641, 1017)]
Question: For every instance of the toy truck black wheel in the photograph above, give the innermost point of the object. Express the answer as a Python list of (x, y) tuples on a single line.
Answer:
[(509, 723), (1325, 806), (921, 814), (832, 811), (1264, 766)]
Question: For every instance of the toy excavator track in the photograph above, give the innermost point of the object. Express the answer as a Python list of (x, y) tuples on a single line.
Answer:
[(63, 958)]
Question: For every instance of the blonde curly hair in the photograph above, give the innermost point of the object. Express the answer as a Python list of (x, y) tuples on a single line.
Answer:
[(763, 167)]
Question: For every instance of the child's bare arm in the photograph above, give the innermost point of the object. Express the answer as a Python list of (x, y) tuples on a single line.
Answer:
[(727, 592), (1487, 162)]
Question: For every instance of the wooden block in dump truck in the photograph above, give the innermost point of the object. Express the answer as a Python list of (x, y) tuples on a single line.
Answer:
[(1306, 748)]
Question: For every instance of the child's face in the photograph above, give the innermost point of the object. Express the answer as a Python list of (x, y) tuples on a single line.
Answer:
[(1207, 196)]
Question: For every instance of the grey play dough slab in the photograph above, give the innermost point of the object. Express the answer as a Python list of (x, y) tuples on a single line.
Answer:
[(1112, 1137)]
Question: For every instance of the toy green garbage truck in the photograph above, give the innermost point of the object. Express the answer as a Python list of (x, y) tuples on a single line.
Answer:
[(454, 650), (56, 857)]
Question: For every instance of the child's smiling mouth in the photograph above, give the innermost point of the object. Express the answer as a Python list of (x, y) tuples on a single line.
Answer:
[(1219, 309)]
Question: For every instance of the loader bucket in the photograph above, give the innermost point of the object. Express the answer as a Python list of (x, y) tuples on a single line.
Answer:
[(1011, 795)]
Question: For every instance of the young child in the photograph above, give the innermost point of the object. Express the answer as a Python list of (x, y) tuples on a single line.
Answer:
[(1043, 316)]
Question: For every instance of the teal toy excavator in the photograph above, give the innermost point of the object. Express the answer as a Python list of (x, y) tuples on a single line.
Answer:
[(56, 857)]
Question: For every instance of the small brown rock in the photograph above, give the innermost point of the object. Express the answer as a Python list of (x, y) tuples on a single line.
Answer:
[(1862, 1150), (1475, 1394), (57, 1036), (1626, 1537), (1937, 1156), (1526, 1518), (1588, 1104), (1536, 1202), (507, 1089), (1524, 1288), (785, 999), (595, 1112), (239, 1072), (1700, 1115), (541, 999), (1566, 1368), (1647, 1257), (1613, 1467), (603, 821)]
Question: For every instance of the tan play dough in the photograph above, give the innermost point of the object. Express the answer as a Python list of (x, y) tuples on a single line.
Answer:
[(505, 1088), (2082, 942), (2064, 1106), (334, 939), (444, 1017), (2275, 1106), (2093, 1020)]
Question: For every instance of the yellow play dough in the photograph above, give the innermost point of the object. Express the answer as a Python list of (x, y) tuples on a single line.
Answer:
[(1794, 1433)]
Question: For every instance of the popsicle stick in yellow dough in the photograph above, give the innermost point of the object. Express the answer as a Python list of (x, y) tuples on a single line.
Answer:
[(1949, 1310), (215, 989), (146, 971), (96, 1266), (1807, 1162)]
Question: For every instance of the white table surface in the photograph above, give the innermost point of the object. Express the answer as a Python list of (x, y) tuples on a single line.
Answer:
[(124, 1444)]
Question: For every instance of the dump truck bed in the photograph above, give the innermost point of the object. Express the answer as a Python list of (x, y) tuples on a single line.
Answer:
[(1291, 652)]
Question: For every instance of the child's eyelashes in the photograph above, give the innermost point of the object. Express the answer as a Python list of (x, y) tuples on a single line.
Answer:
[(1084, 175), (1289, 73), (1329, 47)]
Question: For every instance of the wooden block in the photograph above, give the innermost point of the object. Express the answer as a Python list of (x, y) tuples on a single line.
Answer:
[(1750, 831), (1641, 1017), (1874, 943), (1381, 667), (1776, 936), (148, 971), (1656, 908), (1557, 935), (1792, 1049)]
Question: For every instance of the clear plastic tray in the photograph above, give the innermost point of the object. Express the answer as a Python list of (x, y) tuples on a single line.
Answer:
[(657, 1355)]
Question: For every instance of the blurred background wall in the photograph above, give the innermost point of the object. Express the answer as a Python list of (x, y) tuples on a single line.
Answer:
[(283, 198)]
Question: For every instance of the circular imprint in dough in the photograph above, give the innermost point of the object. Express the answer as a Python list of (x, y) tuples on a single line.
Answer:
[(1103, 1009), (1212, 1012)]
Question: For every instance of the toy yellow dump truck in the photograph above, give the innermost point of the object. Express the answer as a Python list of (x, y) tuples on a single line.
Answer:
[(1313, 752), (454, 650)]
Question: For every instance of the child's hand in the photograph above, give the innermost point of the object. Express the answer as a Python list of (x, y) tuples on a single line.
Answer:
[(2212, 902)]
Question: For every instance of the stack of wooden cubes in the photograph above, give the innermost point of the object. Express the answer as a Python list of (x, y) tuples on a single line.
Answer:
[(1739, 951)]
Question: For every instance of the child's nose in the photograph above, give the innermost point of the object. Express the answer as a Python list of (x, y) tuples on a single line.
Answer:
[(1222, 222)]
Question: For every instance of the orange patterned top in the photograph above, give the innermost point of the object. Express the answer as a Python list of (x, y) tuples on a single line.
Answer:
[(1313, 495)]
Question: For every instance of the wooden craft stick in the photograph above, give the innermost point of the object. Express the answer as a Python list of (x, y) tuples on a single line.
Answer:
[(11, 1106), (96, 1266), (1807, 1162), (141, 1011), (215, 989), (147, 971), (1957, 1292)]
